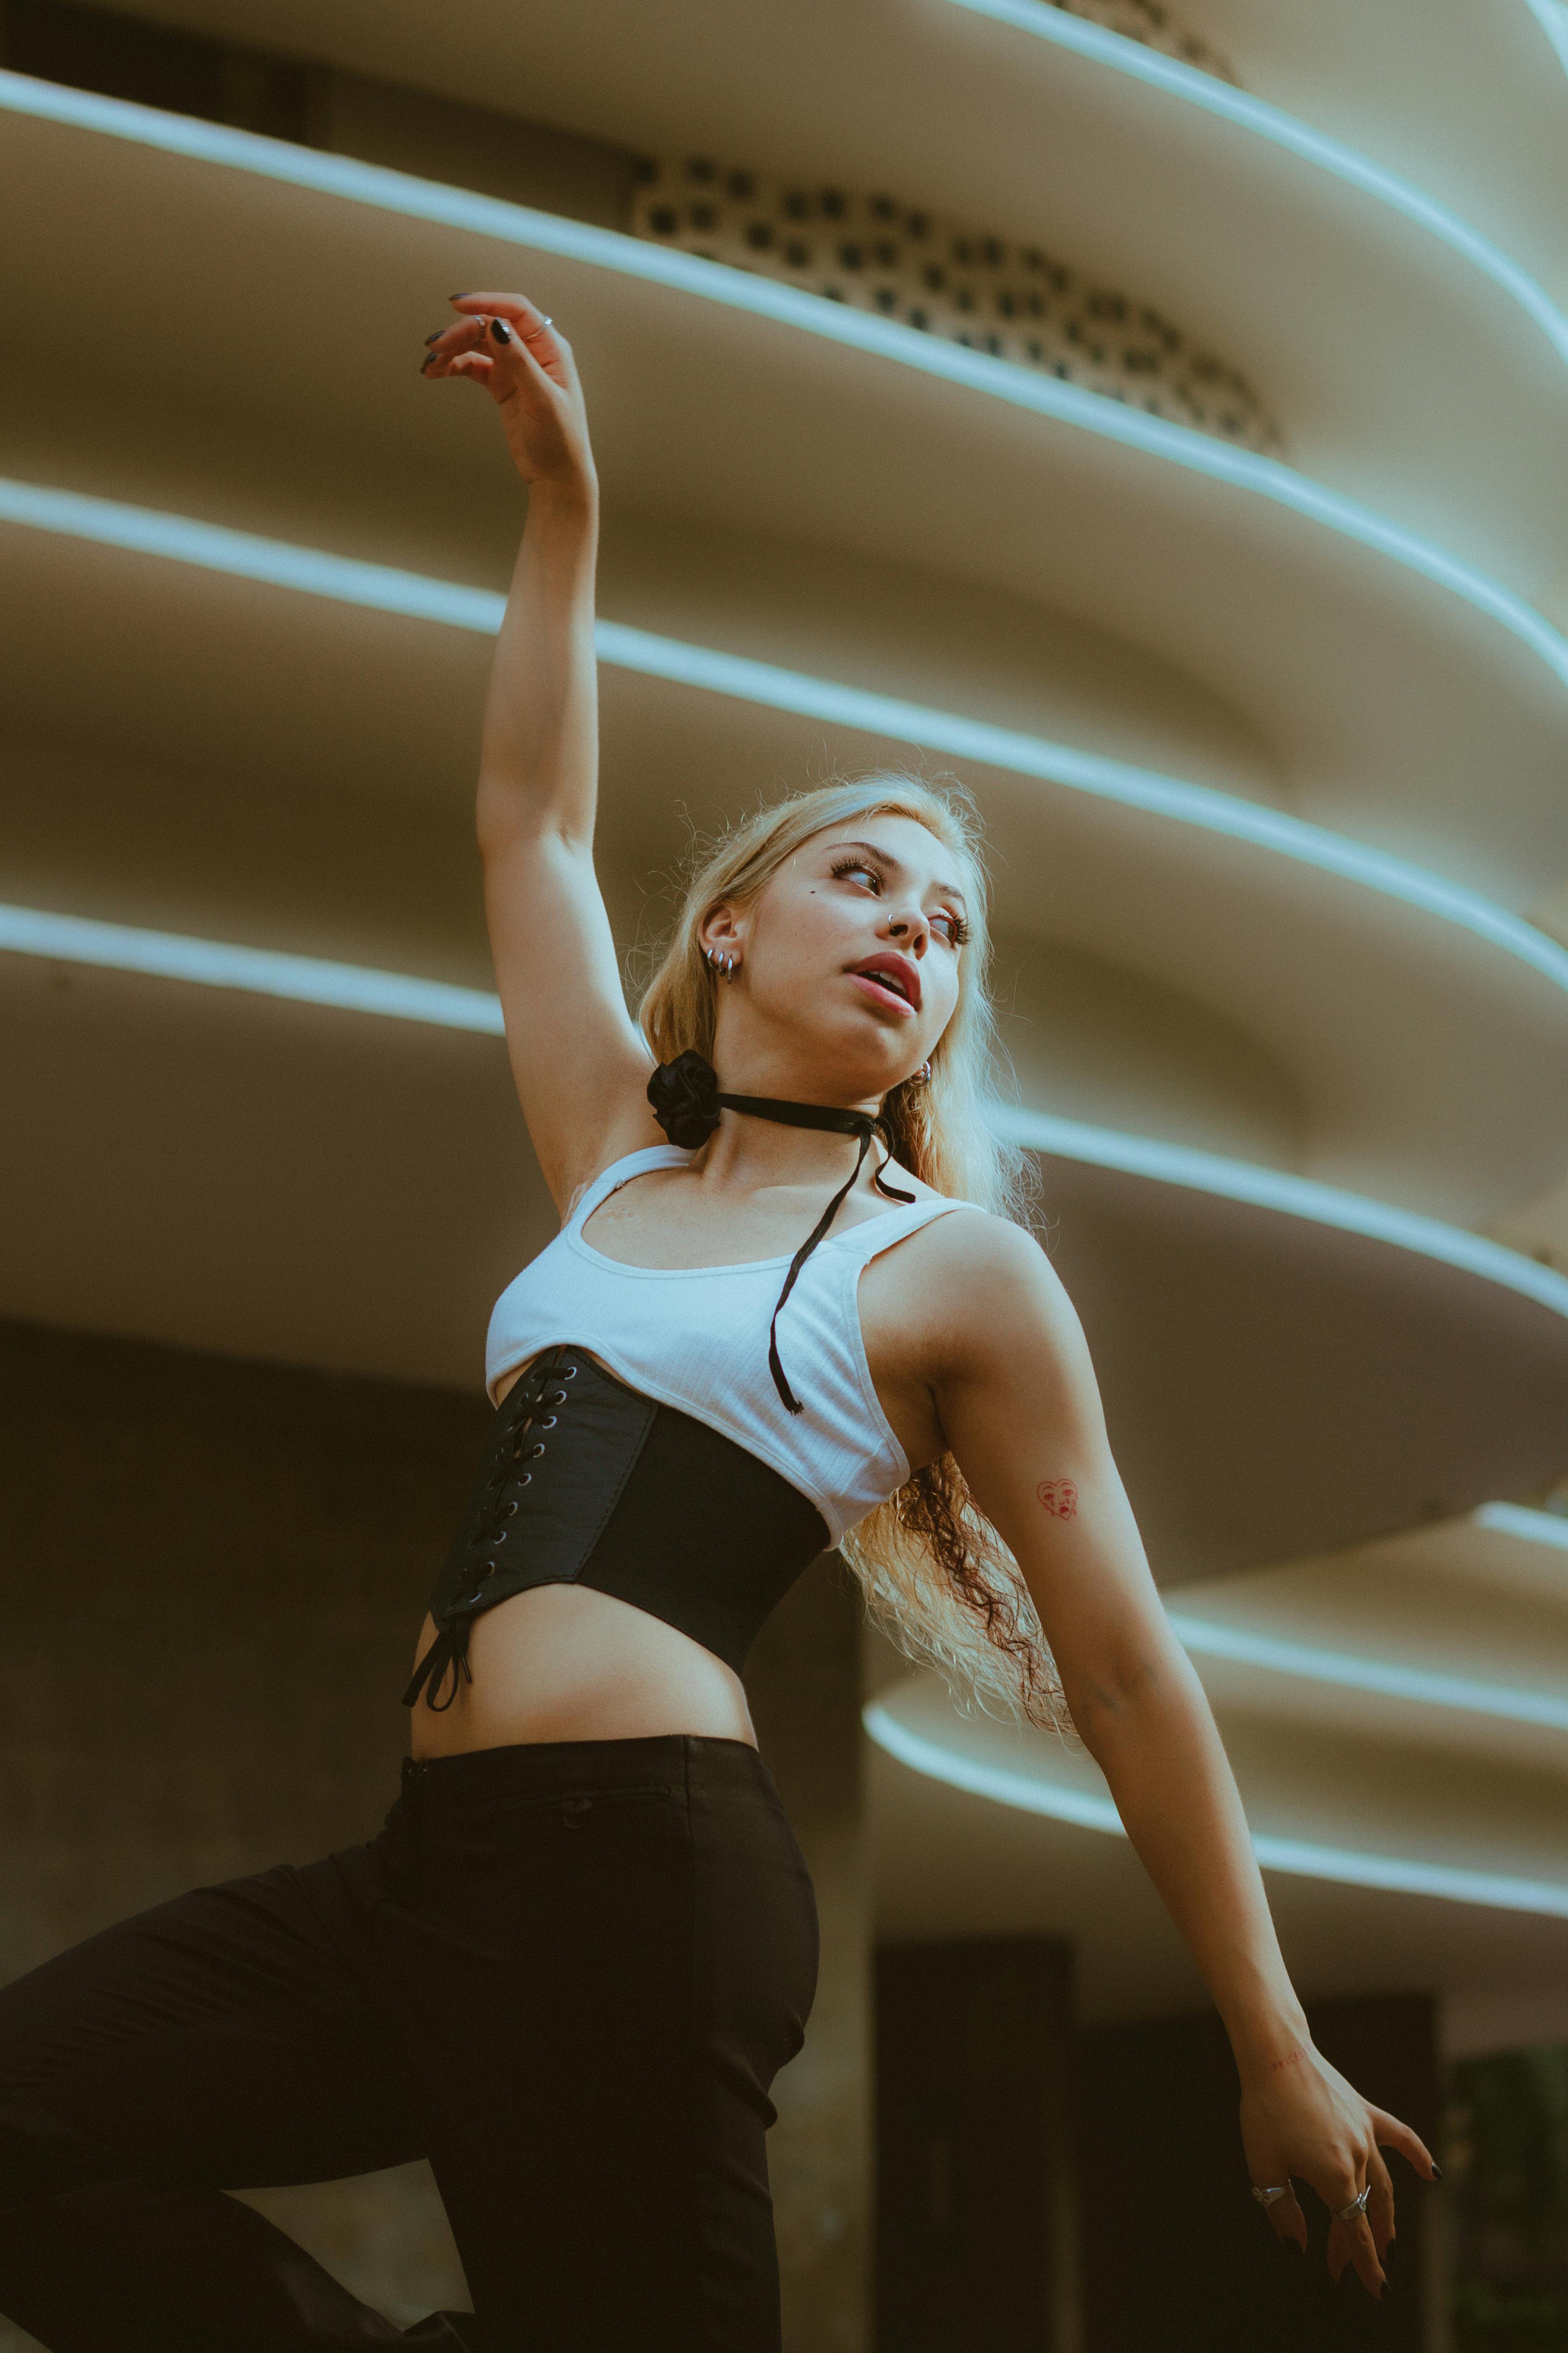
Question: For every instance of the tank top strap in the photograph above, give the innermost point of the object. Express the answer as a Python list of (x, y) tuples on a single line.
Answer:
[(608, 1180), (867, 1240)]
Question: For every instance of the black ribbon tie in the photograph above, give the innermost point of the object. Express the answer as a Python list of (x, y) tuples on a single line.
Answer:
[(686, 1102)]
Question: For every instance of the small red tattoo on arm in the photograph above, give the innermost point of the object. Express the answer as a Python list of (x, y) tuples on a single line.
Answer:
[(1060, 1497), (1292, 2059)]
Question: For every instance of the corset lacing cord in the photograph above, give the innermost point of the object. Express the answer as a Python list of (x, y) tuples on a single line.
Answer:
[(449, 1650), (686, 1102)]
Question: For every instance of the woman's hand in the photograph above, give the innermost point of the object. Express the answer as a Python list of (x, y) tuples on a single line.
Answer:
[(505, 343), (1300, 2117)]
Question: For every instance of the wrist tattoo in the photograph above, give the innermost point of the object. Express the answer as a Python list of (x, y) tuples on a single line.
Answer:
[(1060, 1497), (1292, 2059)]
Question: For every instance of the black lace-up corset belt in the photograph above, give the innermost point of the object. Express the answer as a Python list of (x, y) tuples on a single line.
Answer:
[(585, 1482)]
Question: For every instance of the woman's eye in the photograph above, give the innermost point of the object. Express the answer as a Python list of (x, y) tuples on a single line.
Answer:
[(863, 874)]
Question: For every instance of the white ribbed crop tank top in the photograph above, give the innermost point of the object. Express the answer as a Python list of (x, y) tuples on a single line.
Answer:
[(697, 1338)]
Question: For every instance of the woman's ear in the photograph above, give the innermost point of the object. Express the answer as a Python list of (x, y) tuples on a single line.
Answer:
[(720, 933)]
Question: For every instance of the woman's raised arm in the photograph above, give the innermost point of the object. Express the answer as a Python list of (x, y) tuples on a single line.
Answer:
[(1017, 1401), (580, 1068)]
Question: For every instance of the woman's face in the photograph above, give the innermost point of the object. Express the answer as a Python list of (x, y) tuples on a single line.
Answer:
[(847, 963)]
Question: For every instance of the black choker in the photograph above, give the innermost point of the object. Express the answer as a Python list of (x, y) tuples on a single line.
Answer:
[(687, 1103)]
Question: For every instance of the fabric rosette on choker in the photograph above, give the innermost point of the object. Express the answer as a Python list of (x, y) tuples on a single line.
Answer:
[(685, 1098)]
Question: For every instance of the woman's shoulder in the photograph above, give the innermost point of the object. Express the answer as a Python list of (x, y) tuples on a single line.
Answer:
[(980, 1236), (985, 1261)]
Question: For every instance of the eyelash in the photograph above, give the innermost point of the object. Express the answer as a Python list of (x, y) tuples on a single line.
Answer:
[(960, 932)]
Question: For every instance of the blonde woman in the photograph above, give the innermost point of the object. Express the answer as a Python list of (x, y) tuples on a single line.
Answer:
[(787, 1309)]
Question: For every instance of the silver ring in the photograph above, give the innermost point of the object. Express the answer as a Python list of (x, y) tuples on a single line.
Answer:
[(1357, 2206), (1269, 2197)]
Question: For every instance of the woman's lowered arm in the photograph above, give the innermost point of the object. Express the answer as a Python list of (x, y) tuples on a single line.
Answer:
[(1018, 1401)]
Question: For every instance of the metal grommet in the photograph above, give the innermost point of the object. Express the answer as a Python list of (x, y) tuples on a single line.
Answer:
[(547, 1421), (569, 1371), (535, 1451), (525, 1478)]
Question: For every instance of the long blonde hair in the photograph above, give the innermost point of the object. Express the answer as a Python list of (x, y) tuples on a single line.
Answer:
[(935, 1573)]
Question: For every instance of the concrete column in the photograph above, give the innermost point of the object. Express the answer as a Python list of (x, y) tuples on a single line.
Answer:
[(975, 2229)]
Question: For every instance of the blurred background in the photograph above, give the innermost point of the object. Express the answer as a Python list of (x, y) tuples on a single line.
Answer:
[(1154, 418)]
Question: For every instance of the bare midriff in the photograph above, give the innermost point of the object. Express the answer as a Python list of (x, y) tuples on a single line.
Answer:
[(563, 1663)]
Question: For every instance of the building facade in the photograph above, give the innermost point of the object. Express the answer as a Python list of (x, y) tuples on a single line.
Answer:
[(1153, 421)]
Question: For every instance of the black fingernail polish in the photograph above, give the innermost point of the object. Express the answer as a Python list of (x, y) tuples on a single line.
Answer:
[(459, 297), (436, 336), (1436, 2173), (501, 331)]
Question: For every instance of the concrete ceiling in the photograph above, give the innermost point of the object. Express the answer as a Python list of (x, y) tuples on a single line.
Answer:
[(1383, 1852), (188, 751), (1375, 336), (315, 796), (1246, 586), (1481, 122), (226, 1171)]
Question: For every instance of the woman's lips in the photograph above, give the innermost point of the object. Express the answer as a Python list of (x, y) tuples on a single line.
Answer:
[(881, 995)]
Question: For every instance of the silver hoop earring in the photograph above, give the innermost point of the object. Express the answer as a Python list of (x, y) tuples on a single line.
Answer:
[(724, 965), (923, 1073)]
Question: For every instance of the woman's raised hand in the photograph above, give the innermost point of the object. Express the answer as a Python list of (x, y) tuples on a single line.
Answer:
[(505, 343), (1299, 2117)]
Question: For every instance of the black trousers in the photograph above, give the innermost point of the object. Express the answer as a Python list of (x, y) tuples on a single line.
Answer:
[(564, 1973)]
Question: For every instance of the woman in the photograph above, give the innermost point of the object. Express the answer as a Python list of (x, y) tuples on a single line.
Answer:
[(781, 1315)]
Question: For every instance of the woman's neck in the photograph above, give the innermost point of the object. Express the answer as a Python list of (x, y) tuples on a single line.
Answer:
[(749, 1155)]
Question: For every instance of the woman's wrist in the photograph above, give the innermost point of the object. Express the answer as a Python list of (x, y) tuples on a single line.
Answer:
[(1271, 2045), (572, 499), (1264, 2017)]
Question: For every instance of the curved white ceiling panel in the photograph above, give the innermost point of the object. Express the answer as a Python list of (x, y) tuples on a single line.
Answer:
[(1454, 1635), (1373, 315), (1465, 99), (1345, 1356), (1345, 1369), (1036, 1774), (1370, 1854), (1293, 604), (1241, 109), (1423, 1031)]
